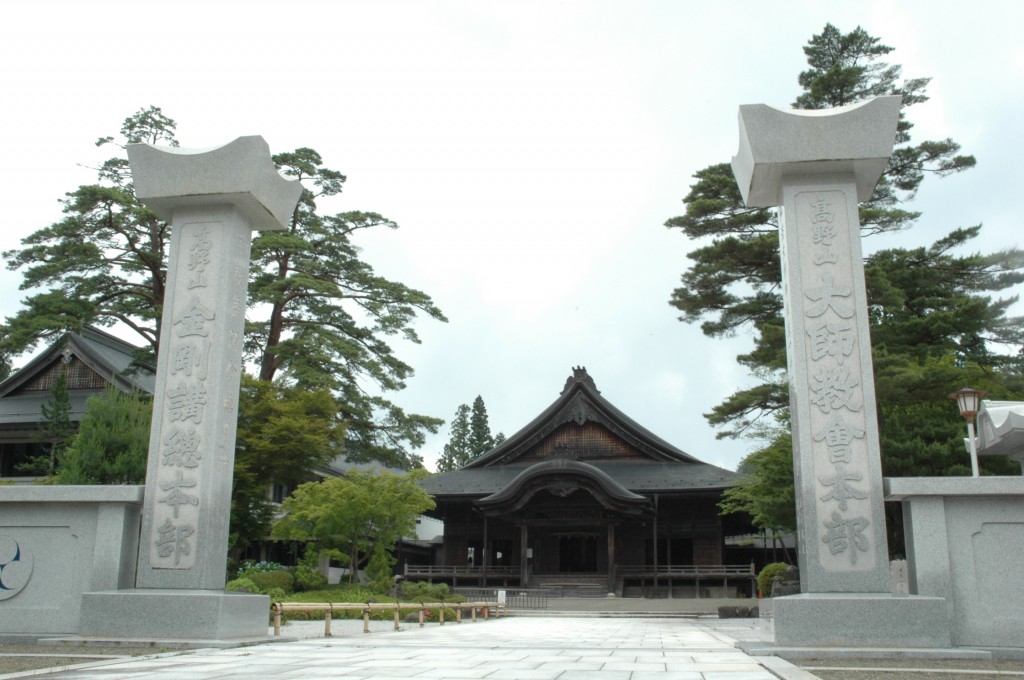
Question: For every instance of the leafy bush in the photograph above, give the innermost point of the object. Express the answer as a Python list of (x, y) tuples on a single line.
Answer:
[(307, 571), (277, 595), (266, 581), (379, 570), (767, 575), (421, 591), (242, 585)]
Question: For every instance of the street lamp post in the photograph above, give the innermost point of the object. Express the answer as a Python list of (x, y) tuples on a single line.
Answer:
[(969, 401)]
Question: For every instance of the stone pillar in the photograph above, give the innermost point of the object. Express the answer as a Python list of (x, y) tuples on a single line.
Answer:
[(214, 200), (817, 165)]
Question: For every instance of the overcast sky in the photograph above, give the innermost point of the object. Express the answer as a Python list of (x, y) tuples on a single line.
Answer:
[(530, 151)]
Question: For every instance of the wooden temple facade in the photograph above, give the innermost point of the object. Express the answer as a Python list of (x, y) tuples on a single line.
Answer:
[(583, 497)]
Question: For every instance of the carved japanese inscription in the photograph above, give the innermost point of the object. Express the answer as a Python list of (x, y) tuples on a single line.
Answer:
[(185, 429), (834, 386)]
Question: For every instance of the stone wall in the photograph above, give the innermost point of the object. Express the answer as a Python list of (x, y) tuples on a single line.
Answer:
[(58, 542), (965, 543)]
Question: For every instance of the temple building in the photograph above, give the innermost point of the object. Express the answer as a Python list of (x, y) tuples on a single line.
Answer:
[(91, 361), (585, 498)]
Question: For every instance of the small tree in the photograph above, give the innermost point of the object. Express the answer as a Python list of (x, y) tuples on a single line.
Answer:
[(56, 431), (355, 516), (112, 441), (283, 434)]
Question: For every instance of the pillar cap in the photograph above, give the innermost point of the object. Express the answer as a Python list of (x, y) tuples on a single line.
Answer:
[(775, 143), (240, 173)]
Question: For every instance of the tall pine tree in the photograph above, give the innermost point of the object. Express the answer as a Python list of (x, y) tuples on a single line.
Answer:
[(457, 451), (319, 315), (929, 306)]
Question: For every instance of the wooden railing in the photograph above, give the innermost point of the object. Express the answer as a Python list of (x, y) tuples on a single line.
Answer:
[(420, 570), (484, 607), (505, 575), (698, 573), (688, 570)]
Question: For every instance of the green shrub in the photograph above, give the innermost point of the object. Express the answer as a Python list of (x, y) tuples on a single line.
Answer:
[(242, 585), (282, 579), (276, 594), (770, 571), (308, 579), (421, 591)]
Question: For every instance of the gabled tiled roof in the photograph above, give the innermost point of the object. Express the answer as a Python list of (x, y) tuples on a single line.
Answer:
[(649, 464), (111, 359), (581, 402)]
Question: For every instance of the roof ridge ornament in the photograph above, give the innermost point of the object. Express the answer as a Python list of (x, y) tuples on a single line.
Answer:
[(580, 375)]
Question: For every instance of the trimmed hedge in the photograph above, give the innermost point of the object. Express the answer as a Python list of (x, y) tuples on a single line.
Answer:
[(266, 581), (767, 575)]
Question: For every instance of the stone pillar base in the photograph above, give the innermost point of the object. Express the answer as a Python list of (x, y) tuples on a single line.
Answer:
[(167, 614), (861, 620)]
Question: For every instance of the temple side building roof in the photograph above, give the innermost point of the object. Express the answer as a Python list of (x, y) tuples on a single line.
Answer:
[(93, 360)]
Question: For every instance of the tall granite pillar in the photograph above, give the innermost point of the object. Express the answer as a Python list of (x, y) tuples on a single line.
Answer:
[(214, 200), (817, 165)]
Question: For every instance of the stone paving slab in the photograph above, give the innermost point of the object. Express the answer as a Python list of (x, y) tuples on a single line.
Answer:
[(509, 648)]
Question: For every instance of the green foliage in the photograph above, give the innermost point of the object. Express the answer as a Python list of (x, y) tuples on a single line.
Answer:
[(457, 451), (283, 433), (282, 579), (354, 514), (768, 574), (329, 314), (378, 570), (935, 324), (276, 594), (307, 571), (480, 439), (242, 585), (56, 429), (470, 437), (766, 491), (104, 262), (421, 591), (112, 443), (734, 282)]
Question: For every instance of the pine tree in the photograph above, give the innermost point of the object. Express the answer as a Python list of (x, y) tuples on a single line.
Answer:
[(112, 443), (457, 451), (320, 315), (934, 323), (480, 439), (56, 431)]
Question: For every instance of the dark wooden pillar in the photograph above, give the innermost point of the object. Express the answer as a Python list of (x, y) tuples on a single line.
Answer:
[(611, 558), (655, 547), (524, 575), (485, 557)]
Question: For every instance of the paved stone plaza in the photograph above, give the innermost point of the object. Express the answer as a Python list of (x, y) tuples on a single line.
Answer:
[(511, 648)]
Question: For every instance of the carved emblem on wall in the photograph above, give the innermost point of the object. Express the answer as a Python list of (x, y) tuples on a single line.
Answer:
[(561, 488), (15, 567)]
